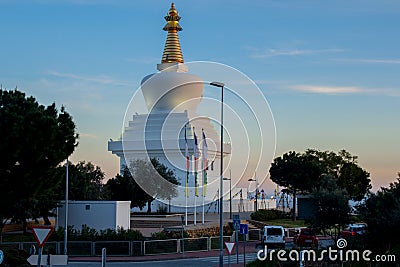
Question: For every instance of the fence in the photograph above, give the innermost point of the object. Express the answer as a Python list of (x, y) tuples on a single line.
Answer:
[(124, 248)]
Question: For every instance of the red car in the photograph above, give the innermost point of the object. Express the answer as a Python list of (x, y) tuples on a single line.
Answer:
[(354, 230), (306, 237)]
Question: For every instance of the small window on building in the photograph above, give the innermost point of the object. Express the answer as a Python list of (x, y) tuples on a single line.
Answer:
[(87, 207)]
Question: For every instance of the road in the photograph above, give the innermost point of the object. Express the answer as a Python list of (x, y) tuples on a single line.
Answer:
[(193, 262), (199, 261)]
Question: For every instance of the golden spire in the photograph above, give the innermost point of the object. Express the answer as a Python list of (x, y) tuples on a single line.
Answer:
[(172, 49)]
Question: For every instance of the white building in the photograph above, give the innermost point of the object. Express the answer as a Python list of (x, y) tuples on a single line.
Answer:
[(172, 96), (99, 215)]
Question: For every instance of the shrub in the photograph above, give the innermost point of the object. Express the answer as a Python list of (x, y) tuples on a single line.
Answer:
[(121, 234), (266, 215), (160, 235), (90, 234), (14, 257), (193, 233)]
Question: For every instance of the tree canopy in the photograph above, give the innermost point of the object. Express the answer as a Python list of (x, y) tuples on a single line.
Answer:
[(144, 181), (381, 212), (303, 172), (35, 139), (124, 187), (332, 210), (343, 167), (85, 181), (295, 171)]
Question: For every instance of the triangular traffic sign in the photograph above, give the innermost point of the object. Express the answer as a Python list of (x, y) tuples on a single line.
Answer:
[(42, 233), (229, 247)]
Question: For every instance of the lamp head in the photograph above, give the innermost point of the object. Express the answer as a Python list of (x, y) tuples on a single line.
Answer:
[(217, 84)]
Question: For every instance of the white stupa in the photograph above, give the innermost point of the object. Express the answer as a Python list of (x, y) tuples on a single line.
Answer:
[(172, 96)]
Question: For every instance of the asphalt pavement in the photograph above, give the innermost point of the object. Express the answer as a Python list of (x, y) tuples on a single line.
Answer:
[(193, 259)]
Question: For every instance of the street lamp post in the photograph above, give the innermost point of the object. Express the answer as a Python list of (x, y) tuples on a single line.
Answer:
[(221, 230), (66, 209), (230, 194), (255, 180)]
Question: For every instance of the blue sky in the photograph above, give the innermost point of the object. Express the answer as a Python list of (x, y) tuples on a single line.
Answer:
[(329, 70)]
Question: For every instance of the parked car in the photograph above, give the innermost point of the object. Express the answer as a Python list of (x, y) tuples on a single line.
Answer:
[(353, 230), (306, 237), (273, 236)]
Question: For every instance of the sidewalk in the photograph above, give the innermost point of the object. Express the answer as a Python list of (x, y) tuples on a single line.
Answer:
[(250, 248)]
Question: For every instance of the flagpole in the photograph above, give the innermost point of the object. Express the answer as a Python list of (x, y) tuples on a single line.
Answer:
[(202, 219), (195, 189), (196, 185), (204, 166), (195, 210), (187, 178), (195, 178)]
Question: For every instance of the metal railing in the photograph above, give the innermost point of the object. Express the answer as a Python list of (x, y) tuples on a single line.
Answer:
[(155, 247), (124, 248)]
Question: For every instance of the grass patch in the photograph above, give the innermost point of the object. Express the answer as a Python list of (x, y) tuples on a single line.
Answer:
[(18, 238), (276, 217), (286, 223)]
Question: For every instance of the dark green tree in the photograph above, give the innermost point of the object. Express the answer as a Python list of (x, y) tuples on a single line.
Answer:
[(343, 167), (86, 182), (381, 212), (155, 179), (124, 187), (303, 172), (35, 139), (331, 203), (296, 172)]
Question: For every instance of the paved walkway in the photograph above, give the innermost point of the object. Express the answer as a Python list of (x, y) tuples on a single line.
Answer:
[(156, 222)]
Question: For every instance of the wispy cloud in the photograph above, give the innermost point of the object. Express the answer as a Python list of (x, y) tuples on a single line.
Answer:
[(327, 89), (103, 79), (293, 52), (340, 90), (370, 61)]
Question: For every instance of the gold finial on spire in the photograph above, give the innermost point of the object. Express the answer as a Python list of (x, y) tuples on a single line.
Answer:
[(172, 49)]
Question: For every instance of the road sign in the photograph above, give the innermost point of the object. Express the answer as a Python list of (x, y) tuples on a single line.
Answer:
[(53, 259), (244, 228), (236, 222), (229, 247), (1, 256), (42, 233), (32, 250)]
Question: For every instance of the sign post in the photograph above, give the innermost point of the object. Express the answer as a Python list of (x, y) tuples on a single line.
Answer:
[(41, 234), (229, 247), (39, 261), (236, 226), (244, 230), (103, 257)]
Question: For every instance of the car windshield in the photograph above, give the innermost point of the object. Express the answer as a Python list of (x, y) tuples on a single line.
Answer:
[(307, 232), (356, 227), (274, 231)]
